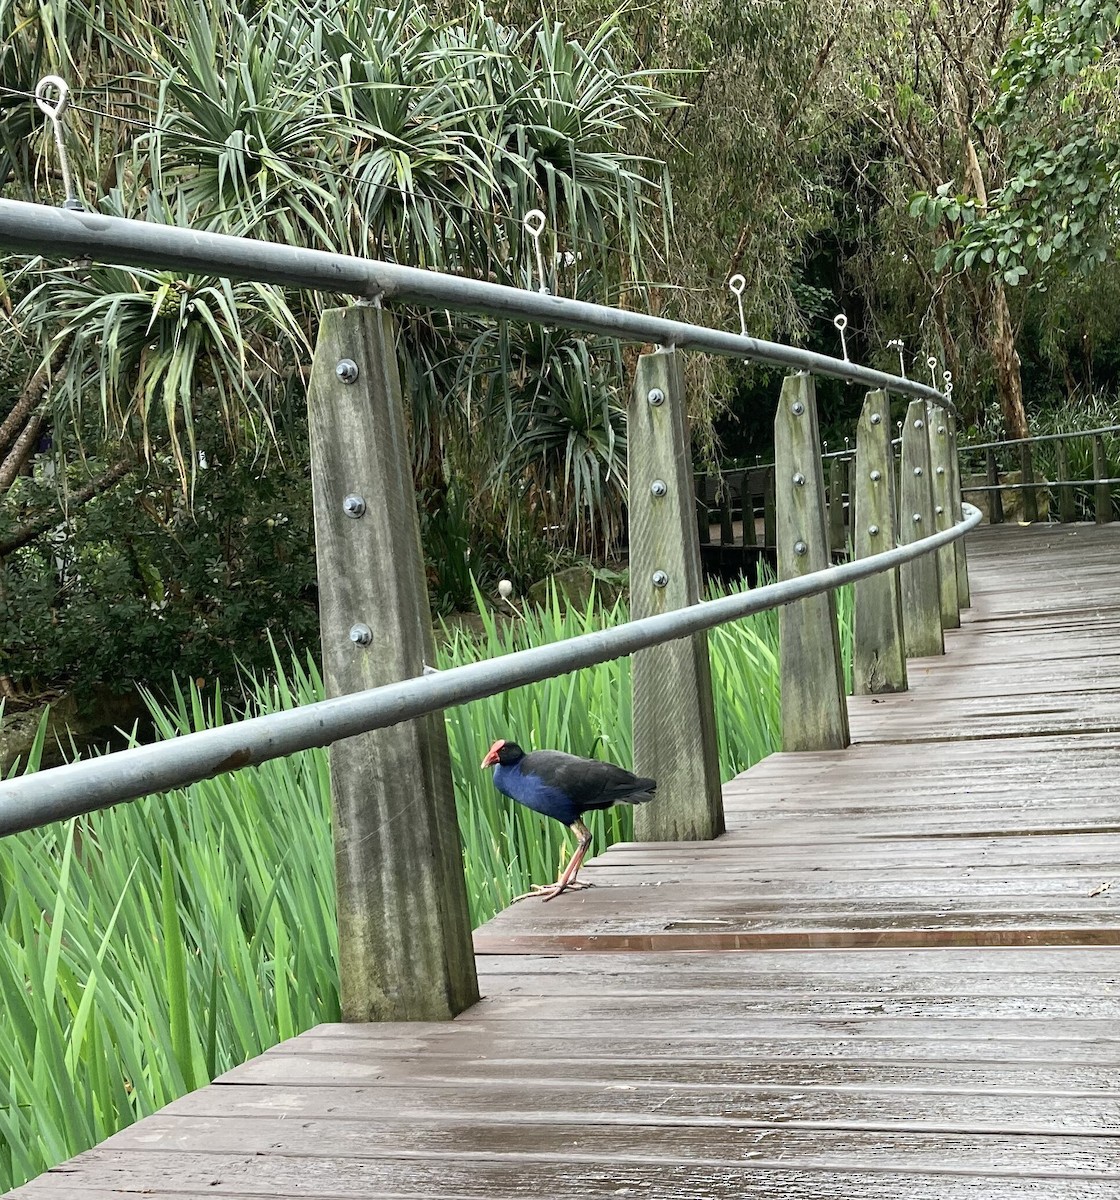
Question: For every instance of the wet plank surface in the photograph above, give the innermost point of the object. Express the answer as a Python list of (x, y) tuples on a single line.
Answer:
[(896, 976)]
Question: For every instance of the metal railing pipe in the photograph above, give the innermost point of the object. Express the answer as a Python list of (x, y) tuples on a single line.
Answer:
[(61, 233), (1042, 437), (37, 799), (1040, 487)]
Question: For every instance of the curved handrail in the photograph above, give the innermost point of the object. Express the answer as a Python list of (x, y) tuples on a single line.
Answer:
[(84, 787), (60, 233)]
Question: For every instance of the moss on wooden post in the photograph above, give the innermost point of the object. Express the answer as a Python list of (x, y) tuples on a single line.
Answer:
[(405, 950), (814, 707), (964, 594), (921, 582), (674, 717), (837, 538), (878, 645), (941, 480)]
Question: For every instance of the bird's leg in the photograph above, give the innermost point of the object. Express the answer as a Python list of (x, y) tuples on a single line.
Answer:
[(567, 880)]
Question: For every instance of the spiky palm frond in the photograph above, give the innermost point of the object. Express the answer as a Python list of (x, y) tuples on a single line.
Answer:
[(377, 132)]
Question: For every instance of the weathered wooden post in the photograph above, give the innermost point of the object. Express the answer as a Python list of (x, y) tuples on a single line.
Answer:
[(960, 553), (995, 496), (921, 583), (1030, 495), (1067, 501), (674, 717), (814, 706), (405, 951), (703, 524), (769, 511), (726, 521), (878, 644), (1102, 491), (750, 490), (837, 538), (941, 454)]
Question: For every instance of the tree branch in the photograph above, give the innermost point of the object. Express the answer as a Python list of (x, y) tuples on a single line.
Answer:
[(32, 395), (30, 530), (21, 451)]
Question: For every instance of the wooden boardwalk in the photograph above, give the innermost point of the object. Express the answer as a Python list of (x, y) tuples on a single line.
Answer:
[(896, 976)]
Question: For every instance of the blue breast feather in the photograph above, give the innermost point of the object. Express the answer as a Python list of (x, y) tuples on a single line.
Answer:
[(534, 793)]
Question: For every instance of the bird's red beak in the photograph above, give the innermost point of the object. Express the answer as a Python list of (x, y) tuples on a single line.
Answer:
[(491, 759)]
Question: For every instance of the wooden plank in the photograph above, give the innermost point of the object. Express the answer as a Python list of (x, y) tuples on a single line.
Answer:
[(814, 714), (680, 1137), (674, 714), (104, 1173), (404, 927)]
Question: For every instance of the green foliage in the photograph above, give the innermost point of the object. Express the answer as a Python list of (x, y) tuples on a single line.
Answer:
[(139, 585), (1054, 108), (152, 946)]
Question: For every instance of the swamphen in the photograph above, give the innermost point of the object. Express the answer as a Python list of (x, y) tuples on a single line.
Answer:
[(564, 787)]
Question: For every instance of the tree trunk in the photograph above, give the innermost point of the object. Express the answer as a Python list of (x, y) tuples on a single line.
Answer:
[(1009, 381)]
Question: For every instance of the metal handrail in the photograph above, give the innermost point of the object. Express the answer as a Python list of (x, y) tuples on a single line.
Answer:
[(84, 787), (1042, 437), (61, 233)]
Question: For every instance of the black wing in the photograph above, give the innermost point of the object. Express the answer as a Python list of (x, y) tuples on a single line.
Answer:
[(587, 781)]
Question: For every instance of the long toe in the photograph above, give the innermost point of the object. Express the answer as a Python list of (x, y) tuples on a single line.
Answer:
[(544, 891)]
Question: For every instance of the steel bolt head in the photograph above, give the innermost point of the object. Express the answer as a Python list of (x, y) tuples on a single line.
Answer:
[(799, 548), (361, 635), (873, 530), (940, 510), (941, 470), (917, 470), (347, 370), (919, 424), (798, 408), (655, 396), (354, 506), (659, 488), (659, 579), (876, 476), (941, 429), (876, 418), (799, 479), (917, 518)]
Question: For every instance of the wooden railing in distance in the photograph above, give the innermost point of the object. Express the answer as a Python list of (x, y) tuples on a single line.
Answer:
[(1031, 487)]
